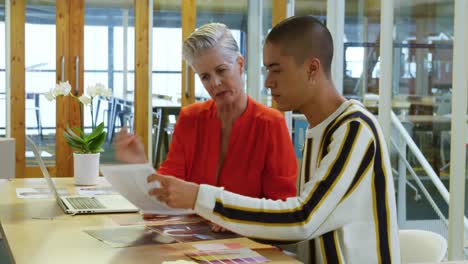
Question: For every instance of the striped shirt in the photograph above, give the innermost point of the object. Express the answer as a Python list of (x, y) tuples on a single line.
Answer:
[(347, 202)]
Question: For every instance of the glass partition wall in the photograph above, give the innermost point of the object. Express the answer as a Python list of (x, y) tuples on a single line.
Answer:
[(109, 59), (83, 42), (3, 88), (361, 48), (316, 8), (421, 99), (422, 79), (266, 25), (166, 75), (166, 71), (40, 72)]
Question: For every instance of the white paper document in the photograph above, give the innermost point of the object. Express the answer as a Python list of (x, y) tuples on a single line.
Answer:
[(95, 190), (130, 181), (38, 193)]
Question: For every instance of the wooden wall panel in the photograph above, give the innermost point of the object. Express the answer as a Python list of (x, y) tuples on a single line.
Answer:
[(35, 172), (142, 89), (17, 62), (62, 111), (279, 11), (69, 42), (189, 19)]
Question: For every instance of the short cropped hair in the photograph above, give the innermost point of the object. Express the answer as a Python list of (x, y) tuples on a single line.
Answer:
[(209, 36), (303, 37)]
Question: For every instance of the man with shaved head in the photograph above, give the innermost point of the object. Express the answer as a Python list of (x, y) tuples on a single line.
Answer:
[(302, 44), (346, 206)]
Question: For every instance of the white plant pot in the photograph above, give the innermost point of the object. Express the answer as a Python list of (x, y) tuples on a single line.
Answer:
[(86, 168)]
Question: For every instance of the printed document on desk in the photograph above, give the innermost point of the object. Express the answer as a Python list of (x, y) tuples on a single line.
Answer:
[(130, 181)]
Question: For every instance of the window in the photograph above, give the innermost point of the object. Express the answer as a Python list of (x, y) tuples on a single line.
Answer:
[(3, 109)]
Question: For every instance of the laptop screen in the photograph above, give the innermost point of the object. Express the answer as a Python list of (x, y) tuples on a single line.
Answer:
[(44, 170)]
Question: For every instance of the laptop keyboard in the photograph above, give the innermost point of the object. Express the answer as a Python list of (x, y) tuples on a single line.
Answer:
[(85, 203)]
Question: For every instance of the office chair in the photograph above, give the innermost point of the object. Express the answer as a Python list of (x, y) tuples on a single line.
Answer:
[(421, 246)]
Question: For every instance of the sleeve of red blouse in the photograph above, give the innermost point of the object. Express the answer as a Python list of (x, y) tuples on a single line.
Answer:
[(279, 181), (175, 161)]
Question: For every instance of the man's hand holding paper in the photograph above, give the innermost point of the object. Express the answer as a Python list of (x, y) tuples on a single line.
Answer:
[(173, 191), (130, 180)]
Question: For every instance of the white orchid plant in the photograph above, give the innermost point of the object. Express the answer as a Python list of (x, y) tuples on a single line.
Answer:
[(77, 139)]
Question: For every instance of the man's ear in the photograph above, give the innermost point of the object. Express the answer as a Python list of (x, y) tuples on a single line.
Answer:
[(313, 67)]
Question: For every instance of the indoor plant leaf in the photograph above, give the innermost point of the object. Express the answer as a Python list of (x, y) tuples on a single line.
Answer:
[(96, 132), (96, 143), (74, 136), (73, 140)]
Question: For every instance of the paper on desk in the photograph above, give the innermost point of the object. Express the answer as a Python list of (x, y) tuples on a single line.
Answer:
[(37, 193), (156, 219), (217, 246), (179, 262), (192, 232), (94, 190), (130, 181), (241, 255), (129, 236)]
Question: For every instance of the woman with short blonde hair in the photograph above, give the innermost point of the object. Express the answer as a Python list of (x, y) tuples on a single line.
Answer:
[(209, 36)]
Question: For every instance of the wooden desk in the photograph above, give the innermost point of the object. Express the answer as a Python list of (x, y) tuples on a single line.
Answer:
[(37, 231)]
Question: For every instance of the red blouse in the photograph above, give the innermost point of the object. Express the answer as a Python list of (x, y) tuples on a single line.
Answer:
[(259, 162)]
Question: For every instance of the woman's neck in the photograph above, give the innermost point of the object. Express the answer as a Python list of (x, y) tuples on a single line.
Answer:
[(229, 113)]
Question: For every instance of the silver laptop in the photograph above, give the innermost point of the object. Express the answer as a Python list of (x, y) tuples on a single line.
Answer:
[(77, 204)]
